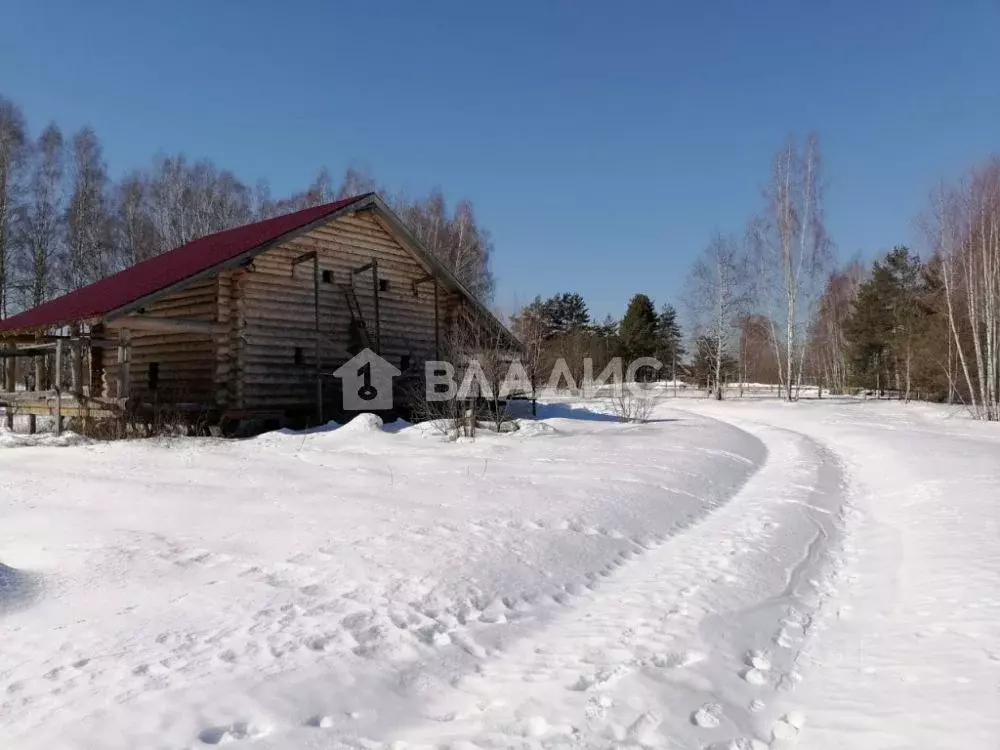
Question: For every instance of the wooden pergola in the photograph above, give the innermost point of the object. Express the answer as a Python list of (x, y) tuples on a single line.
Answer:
[(49, 396)]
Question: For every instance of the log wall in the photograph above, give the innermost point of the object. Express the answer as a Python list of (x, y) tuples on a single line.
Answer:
[(277, 316), (186, 361)]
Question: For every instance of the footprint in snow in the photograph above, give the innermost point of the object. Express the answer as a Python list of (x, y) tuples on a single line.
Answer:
[(708, 716), (240, 730), (787, 728), (642, 729), (319, 722), (673, 660), (754, 676), (597, 707), (758, 660)]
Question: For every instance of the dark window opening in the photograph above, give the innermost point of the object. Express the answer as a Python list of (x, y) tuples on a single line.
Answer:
[(154, 375), (383, 285), (327, 277), (404, 362), (299, 357)]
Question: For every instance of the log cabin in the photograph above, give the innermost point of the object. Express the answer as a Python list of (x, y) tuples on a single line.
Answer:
[(245, 326)]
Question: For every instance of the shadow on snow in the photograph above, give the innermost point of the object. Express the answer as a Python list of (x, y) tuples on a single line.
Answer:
[(17, 589)]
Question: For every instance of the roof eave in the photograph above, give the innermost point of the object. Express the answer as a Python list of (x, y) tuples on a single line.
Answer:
[(432, 264)]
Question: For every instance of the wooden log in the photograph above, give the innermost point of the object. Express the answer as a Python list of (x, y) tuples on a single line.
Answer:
[(31, 351), (180, 325), (20, 396)]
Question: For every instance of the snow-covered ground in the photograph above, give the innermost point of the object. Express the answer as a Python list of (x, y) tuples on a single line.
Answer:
[(729, 575)]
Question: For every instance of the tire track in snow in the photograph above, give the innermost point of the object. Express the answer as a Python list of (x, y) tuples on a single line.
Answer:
[(689, 645)]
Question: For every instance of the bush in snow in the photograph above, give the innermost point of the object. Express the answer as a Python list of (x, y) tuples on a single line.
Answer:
[(630, 403)]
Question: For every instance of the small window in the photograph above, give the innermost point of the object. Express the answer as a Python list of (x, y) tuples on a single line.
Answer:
[(154, 375), (404, 362), (299, 357), (383, 285), (327, 276)]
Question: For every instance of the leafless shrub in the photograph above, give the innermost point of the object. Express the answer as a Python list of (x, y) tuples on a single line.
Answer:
[(451, 418), (479, 357), (630, 403), (142, 421)]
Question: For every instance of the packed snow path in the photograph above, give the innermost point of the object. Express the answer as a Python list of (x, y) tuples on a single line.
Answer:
[(806, 574), (909, 655), (687, 641)]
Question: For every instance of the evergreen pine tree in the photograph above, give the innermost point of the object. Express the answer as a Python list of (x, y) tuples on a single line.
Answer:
[(669, 347), (639, 329)]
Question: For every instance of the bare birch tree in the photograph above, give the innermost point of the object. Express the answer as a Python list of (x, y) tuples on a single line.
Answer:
[(717, 297), (459, 241), (529, 328), (963, 227), (791, 252), (13, 141), (40, 218), (828, 341), (88, 225), (188, 201), (134, 237)]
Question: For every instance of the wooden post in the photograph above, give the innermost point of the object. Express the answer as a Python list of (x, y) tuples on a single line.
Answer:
[(437, 325), (378, 327), (124, 376), (10, 379), (319, 367), (39, 372), (36, 386), (75, 361), (57, 384), (10, 367)]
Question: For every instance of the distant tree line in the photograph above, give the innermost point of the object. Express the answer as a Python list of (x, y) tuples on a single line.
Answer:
[(771, 306), (65, 222), (560, 328)]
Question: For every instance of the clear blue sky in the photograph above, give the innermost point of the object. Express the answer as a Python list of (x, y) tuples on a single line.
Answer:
[(601, 143)]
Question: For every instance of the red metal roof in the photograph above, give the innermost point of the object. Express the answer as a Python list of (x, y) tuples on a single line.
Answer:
[(155, 274)]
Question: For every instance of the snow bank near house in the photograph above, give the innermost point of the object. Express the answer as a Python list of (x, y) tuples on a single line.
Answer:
[(10, 439), (363, 423)]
